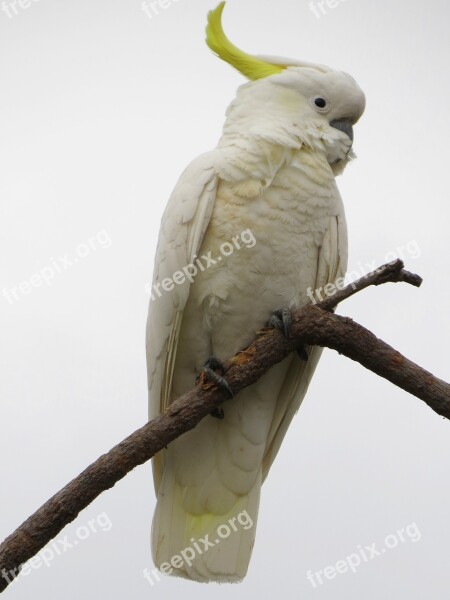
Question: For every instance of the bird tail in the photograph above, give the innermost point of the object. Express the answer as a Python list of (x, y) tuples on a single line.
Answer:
[(203, 547)]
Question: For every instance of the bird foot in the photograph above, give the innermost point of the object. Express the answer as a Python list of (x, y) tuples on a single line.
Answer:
[(282, 320), (303, 353), (208, 374)]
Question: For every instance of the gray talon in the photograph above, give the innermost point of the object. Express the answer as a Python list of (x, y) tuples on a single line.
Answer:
[(220, 381), (215, 364), (208, 371), (303, 353), (217, 413), (282, 320)]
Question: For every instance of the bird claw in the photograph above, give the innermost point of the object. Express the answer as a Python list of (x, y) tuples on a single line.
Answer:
[(208, 373), (217, 413), (281, 320), (303, 353), (215, 364)]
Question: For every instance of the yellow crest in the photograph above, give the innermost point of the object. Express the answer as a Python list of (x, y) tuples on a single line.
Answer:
[(250, 66)]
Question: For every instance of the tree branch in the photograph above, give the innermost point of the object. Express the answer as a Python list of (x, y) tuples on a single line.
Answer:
[(314, 324)]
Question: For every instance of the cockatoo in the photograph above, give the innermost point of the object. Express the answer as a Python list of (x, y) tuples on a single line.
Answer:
[(287, 134)]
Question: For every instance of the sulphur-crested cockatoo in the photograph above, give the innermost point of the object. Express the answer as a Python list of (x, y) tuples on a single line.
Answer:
[(249, 228)]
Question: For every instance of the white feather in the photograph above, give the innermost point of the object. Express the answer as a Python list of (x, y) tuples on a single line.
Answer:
[(270, 174)]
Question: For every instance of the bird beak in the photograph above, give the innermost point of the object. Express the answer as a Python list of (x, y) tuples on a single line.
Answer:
[(343, 125)]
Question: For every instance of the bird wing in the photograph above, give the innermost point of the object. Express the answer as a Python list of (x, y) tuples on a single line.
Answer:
[(331, 265), (183, 227)]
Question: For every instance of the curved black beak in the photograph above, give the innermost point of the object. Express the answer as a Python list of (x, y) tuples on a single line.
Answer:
[(343, 125)]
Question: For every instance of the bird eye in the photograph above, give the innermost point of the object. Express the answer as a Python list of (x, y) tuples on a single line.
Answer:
[(320, 103)]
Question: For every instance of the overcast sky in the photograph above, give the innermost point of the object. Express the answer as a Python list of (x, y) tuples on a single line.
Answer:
[(102, 105)]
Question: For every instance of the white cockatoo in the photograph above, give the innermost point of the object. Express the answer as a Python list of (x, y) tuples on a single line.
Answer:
[(249, 228)]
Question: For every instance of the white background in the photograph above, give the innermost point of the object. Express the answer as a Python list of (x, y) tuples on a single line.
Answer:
[(101, 108)]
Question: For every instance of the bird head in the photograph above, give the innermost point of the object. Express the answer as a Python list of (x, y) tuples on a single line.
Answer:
[(288, 101)]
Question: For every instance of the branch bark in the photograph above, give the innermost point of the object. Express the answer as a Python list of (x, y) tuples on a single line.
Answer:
[(314, 324)]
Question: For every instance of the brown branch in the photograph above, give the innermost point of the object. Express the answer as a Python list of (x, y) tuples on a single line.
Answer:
[(312, 325), (392, 272)]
